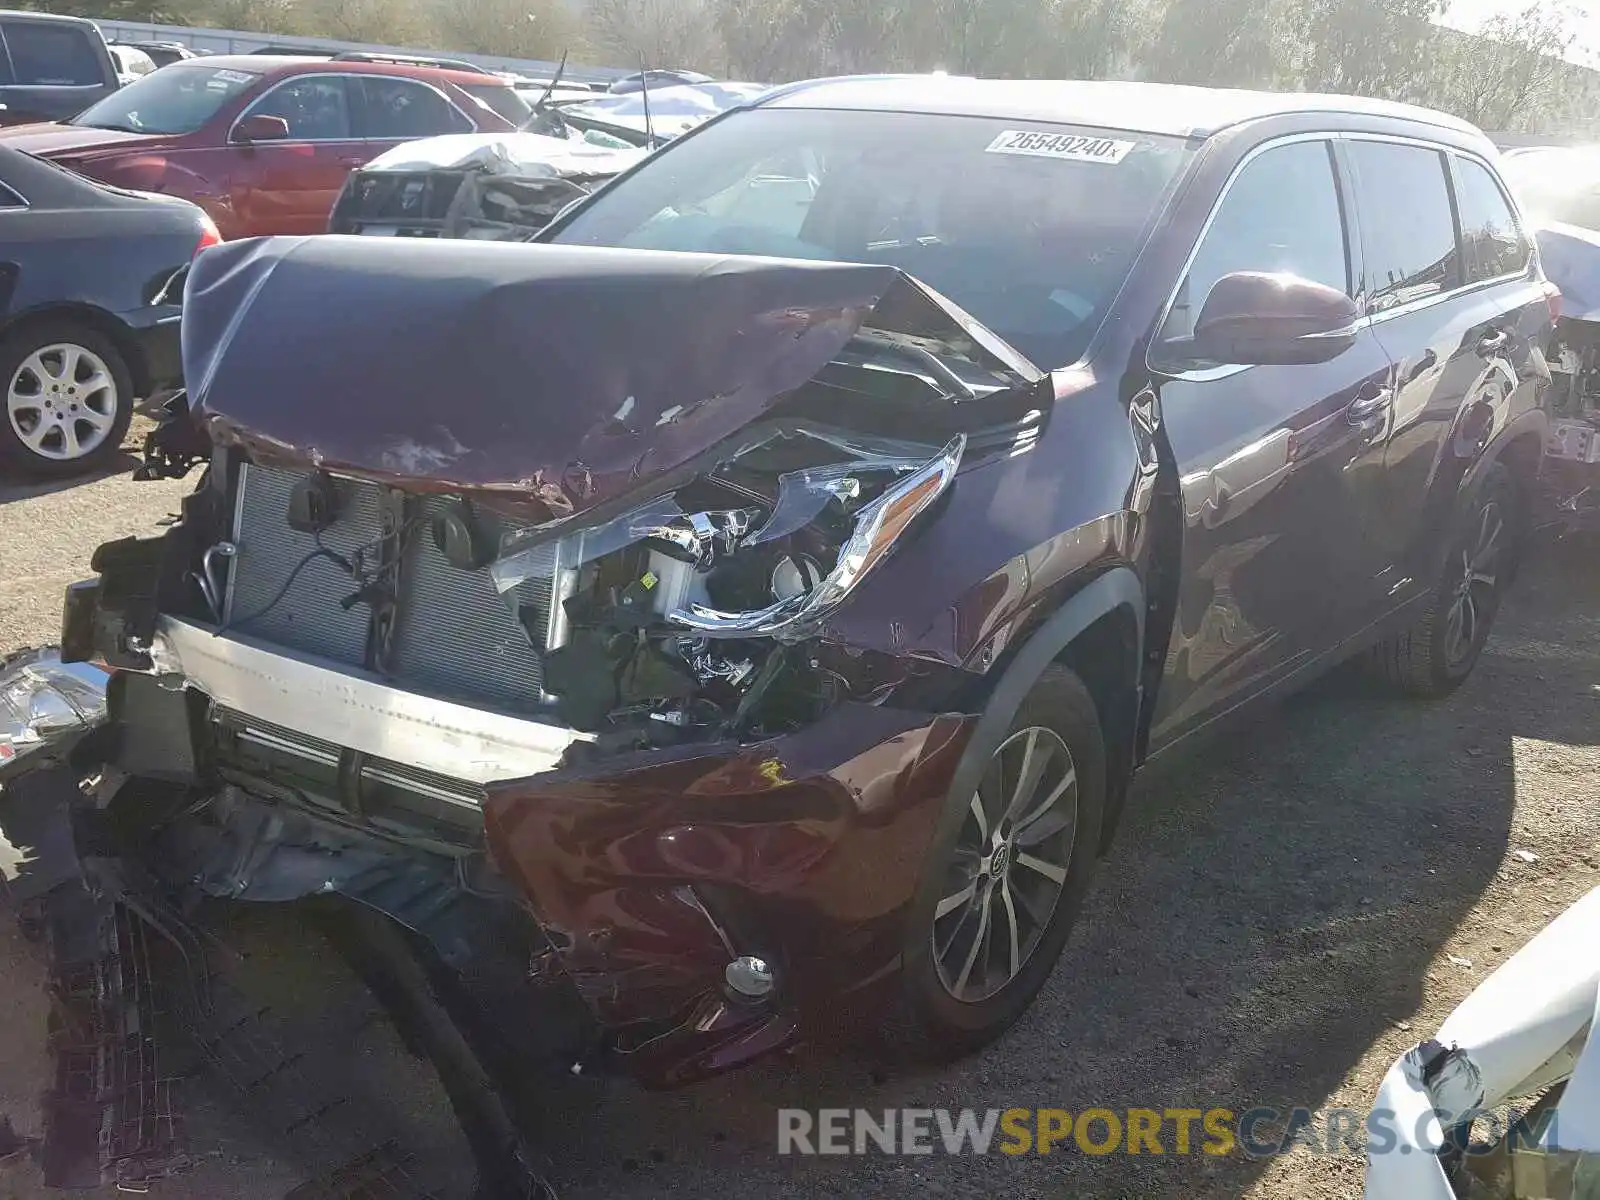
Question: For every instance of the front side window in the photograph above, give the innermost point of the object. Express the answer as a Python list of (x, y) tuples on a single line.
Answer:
[(402, 109), (1408, 234), (177, 100), (1490, 235), (1281, 214), (51, 55), (315, 108), (1031, 228)]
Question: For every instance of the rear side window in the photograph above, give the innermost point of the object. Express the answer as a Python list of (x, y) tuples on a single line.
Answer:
[(1408, 234), (51, 55), (1282, 213), (1491, 239), (315, 108), (499, 99), (401, 109)]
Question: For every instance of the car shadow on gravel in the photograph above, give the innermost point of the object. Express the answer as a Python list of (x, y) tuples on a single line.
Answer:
[(1271, 911), (21, 489)]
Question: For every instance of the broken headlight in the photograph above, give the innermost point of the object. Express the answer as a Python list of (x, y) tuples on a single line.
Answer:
[(685, 602), (44, 701), (876, 527)]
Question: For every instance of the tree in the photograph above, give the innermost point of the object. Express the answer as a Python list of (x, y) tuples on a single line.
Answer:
[(1094, 39), (539, 29), (391, 22), (267, 16), (659, 33), (1369, 47), (1513, 74), (1226, 43)]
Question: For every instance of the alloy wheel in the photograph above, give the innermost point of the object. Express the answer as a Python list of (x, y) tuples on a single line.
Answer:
[(1476, 579), (1010, 866), (62, 401)]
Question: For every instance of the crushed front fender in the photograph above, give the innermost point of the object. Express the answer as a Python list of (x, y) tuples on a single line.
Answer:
[(652, 873)]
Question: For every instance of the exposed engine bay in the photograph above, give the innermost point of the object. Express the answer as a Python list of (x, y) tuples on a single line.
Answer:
[(474, 591), (679, 615)]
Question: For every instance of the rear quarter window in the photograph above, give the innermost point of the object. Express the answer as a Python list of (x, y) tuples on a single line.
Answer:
[(1491, 237), (45, 55), (1408, 232)]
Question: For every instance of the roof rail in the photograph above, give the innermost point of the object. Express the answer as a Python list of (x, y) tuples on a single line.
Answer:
[(292, 51), (411, 60)]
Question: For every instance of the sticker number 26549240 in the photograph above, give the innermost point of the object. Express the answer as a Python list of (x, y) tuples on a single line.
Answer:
[(1060, 145)]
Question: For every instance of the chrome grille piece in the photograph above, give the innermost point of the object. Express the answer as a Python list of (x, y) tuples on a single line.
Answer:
[(455, 635), (443, 788)]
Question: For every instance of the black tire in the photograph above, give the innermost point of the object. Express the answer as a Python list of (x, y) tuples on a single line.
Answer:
[(105, 413), (1433, 658), (933, 1022)]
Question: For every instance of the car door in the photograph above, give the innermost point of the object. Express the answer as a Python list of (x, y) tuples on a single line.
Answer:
[(288, 186), (390, 110), (1455, 304), (1277, 465)]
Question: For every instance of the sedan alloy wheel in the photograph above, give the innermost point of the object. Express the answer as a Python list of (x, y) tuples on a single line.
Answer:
[(63, 402)]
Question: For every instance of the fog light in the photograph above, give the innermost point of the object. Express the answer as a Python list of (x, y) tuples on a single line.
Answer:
[(749, 977)]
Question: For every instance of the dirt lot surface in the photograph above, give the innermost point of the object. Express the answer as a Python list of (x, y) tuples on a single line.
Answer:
[(1283, 914)]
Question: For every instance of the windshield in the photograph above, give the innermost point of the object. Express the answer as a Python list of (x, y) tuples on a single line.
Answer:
[(176, 99), (1557, 184), (500, 99), (1031, 228)]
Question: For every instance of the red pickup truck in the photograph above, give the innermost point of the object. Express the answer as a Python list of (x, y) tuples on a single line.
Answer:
[(263, 143)]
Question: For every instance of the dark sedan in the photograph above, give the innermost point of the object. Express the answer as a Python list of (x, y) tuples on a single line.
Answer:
[(91, 282)]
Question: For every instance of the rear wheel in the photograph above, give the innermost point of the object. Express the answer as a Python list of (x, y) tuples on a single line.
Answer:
[(1006, 877), (1435, 656), (68, 399)]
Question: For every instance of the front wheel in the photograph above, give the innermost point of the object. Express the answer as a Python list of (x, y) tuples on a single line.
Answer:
[(1435, 656), (1006, 876), (68, 399)]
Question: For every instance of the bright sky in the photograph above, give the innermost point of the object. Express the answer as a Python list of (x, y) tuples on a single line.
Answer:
[(1469, 14)]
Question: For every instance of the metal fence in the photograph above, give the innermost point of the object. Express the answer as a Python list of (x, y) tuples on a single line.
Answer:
[(234, 41)]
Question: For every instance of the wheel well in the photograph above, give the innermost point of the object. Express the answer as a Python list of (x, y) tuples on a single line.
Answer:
[(102, 323), (1523, 455), (1106, 657)]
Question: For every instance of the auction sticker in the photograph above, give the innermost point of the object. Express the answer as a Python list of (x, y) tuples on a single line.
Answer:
[(1074, 147)]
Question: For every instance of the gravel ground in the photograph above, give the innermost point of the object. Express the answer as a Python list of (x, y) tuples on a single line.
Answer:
[(1284, 912)]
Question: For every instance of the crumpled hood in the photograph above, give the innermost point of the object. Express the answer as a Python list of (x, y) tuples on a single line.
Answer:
[(50, 140), (515, 153), (569, 374)]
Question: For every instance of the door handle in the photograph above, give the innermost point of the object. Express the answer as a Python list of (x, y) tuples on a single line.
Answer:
[(1373, 402), (1493, 343)]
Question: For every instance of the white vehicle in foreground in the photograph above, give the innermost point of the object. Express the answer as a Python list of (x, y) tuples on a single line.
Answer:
[(1525, 1032)]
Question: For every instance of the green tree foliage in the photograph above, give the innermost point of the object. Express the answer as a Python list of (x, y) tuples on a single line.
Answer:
[(1513, 74)]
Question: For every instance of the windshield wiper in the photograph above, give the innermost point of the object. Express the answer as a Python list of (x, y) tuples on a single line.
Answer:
[(115, 128)]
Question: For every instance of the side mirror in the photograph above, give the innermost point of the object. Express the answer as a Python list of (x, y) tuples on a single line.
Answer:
[(261, 128), (1257, 318)]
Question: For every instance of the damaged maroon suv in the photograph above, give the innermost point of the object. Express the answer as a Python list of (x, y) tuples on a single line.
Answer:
[(748, 607)]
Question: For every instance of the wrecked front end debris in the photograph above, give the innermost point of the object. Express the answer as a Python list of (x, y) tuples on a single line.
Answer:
[(488, 187), (46, 706), (508, 608)]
